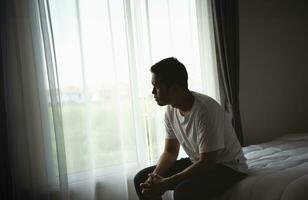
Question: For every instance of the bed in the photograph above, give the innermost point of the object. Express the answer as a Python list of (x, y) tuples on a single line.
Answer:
[(278, 170)]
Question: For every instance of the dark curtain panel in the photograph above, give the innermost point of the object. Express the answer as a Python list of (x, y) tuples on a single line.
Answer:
[(5, 189), (5, 175), (225, 15)]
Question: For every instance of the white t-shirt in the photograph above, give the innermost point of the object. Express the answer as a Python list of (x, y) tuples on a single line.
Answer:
[(206, 128)]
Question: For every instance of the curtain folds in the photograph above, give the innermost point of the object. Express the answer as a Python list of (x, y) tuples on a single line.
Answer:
[(5, 172), (81, 120), (225, 17), (23, 61)]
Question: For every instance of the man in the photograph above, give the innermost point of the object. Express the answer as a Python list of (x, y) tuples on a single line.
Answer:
[(198, 124)]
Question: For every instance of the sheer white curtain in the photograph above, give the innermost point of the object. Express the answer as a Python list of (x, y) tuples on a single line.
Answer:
[(82, 120)]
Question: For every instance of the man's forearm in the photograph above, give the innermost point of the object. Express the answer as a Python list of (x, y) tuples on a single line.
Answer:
[(165, 162), (196, 169)]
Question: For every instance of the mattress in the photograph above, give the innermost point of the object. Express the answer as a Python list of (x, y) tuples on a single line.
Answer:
[(278, 170)]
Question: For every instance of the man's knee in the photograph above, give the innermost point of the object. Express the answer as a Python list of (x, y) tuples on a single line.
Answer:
[(138, 179), (141, 177)]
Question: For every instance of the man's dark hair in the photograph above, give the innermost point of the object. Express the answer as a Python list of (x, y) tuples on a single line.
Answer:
[(171, 71)]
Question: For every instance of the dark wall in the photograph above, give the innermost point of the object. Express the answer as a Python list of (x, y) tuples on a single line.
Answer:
[(274, 68)]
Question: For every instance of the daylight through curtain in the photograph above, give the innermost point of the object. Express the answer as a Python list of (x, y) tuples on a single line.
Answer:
[(81, 87)]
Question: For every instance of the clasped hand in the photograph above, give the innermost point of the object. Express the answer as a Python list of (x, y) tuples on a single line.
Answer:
[(155, 185)]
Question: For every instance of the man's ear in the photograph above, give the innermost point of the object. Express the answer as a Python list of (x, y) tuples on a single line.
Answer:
[(175, 89)]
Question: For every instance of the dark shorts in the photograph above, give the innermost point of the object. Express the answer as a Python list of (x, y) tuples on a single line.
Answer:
[(211, 184)]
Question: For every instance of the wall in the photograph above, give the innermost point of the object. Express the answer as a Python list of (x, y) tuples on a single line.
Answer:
[(274, 68)]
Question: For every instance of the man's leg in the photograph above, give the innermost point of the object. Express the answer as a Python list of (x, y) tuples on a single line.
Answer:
[(142, 176), (212, 184)]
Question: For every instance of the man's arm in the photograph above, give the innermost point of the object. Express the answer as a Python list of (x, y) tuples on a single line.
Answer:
[(206, 162), (168, 157), (160, 184), (166, 160)]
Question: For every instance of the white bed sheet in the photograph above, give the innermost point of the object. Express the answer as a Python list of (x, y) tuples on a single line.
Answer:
[(278, 170)]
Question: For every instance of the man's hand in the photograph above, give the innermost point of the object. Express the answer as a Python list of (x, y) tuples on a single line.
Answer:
[(154, 186)]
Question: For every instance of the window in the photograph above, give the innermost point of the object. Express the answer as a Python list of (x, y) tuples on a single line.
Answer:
[(103, 51)]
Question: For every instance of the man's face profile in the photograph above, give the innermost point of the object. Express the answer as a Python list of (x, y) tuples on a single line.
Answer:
[(159, 91)]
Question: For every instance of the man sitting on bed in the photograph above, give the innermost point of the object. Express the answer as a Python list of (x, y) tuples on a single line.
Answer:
[(197, 123)]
